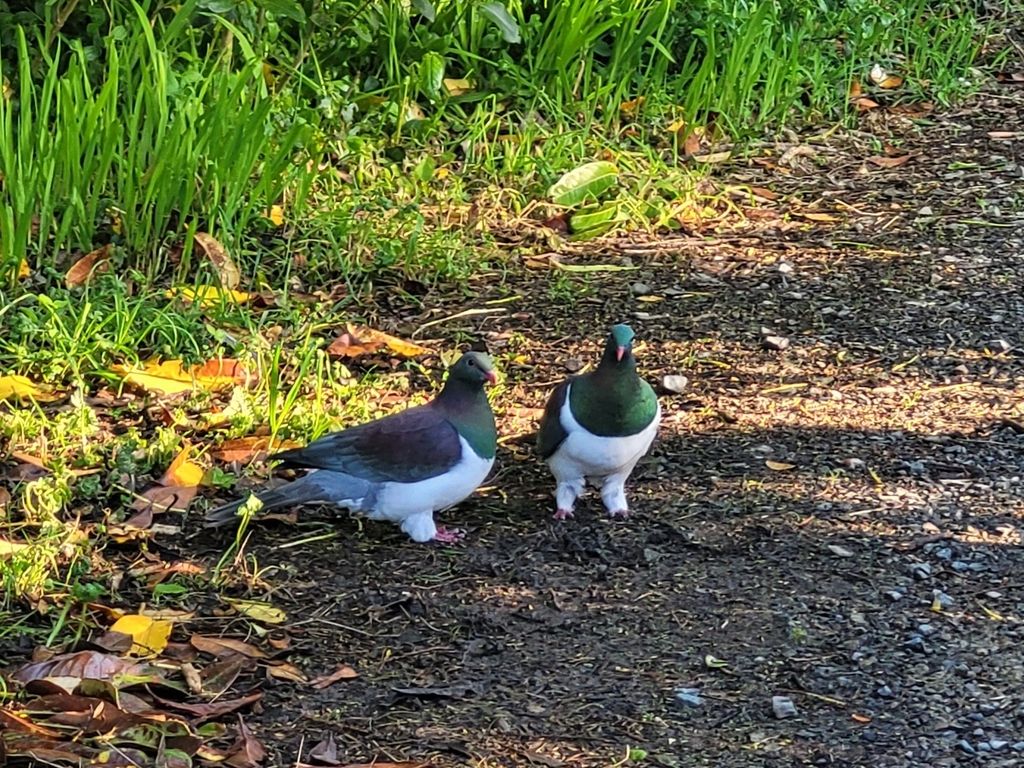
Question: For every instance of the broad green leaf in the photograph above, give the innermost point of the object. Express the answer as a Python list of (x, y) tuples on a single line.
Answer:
[(425, 8), (584, 183), (499, 15), (431, 73), (594, 217), (287, 8)]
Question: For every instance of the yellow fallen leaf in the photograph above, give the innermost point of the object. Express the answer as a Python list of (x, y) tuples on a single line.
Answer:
[(276, 215), (171, 377), (183, 472), (779, 466), (23, 270), (207, 296), (817, 216), (258, 610), (713, 157), (631, 107), (360, 340), (14, 387), (8, 548), (149, 636), (457, 86)]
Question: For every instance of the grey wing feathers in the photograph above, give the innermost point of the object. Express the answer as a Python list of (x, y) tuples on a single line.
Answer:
[(552, 434)]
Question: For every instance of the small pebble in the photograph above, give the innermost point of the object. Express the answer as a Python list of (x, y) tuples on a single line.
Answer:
[(1017, 746), (783, 707), (640, 289), (925, 630), (916, 643), (885, 692), (785, 267), (689, 697), (965, 746), (943, 600), (894, 595), (776, 343), (675, 383), (998, 745), (921, 571)]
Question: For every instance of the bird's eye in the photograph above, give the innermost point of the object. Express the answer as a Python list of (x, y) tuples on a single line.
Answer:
[(471, 363)]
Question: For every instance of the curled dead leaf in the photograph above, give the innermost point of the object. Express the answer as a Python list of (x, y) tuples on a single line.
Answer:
[(93, 263), (224, 646), (227, 272), (779, 466), (343, 672), (357, 341), (889, 162)]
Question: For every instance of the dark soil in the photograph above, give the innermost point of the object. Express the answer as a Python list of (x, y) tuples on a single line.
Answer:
[(838, 522)]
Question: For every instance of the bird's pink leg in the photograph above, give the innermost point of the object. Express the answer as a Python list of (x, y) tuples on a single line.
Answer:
[(449, 535)]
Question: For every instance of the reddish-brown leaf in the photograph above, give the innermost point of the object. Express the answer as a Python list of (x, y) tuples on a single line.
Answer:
[(164, 499), (250, 448), (889, 162), (213, 709), (217, 677), (247, 752), (284, 670), (93, 263), (86, 713), (343, 672), (92, 664), (225, 646)]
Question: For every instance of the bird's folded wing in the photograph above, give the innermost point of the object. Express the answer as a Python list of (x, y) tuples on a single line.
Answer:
[(552, 433), (406, 447)]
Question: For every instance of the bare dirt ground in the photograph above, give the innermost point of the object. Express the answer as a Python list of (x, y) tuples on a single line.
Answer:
[(837, 522), (832, 514)]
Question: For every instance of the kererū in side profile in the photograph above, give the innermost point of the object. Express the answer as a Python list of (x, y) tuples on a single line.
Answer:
[(597, 426), (403, 467)]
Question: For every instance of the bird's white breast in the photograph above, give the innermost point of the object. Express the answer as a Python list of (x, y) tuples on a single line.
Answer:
[(586, 454), (396, 501)]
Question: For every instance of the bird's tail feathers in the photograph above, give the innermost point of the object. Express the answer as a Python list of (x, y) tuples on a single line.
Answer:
[(302, 491)]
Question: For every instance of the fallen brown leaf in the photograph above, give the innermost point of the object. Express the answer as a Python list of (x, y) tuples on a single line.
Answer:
[(889, 162), (250, 448), (213, 709), (284, 670), (343, 672), (223, 646), (93, 263), (247, 751), (227, 272), (93, 664)]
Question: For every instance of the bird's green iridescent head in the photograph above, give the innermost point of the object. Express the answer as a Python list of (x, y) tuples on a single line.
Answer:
[(620, 340)]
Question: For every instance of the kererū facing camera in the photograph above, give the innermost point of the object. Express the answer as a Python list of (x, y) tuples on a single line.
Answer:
[(596, 426), (401, 468)]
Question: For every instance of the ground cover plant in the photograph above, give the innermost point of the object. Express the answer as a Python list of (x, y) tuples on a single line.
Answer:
[(227, 228)]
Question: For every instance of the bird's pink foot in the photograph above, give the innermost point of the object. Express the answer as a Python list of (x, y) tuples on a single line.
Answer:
[(449, 535), (563, 514), (618, 514)]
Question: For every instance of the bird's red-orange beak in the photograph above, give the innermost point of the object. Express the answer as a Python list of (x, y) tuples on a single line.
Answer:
[(619, 352), (491, 377)]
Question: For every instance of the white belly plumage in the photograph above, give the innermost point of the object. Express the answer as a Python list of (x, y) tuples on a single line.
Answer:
[(586, 455), (397, 501)]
